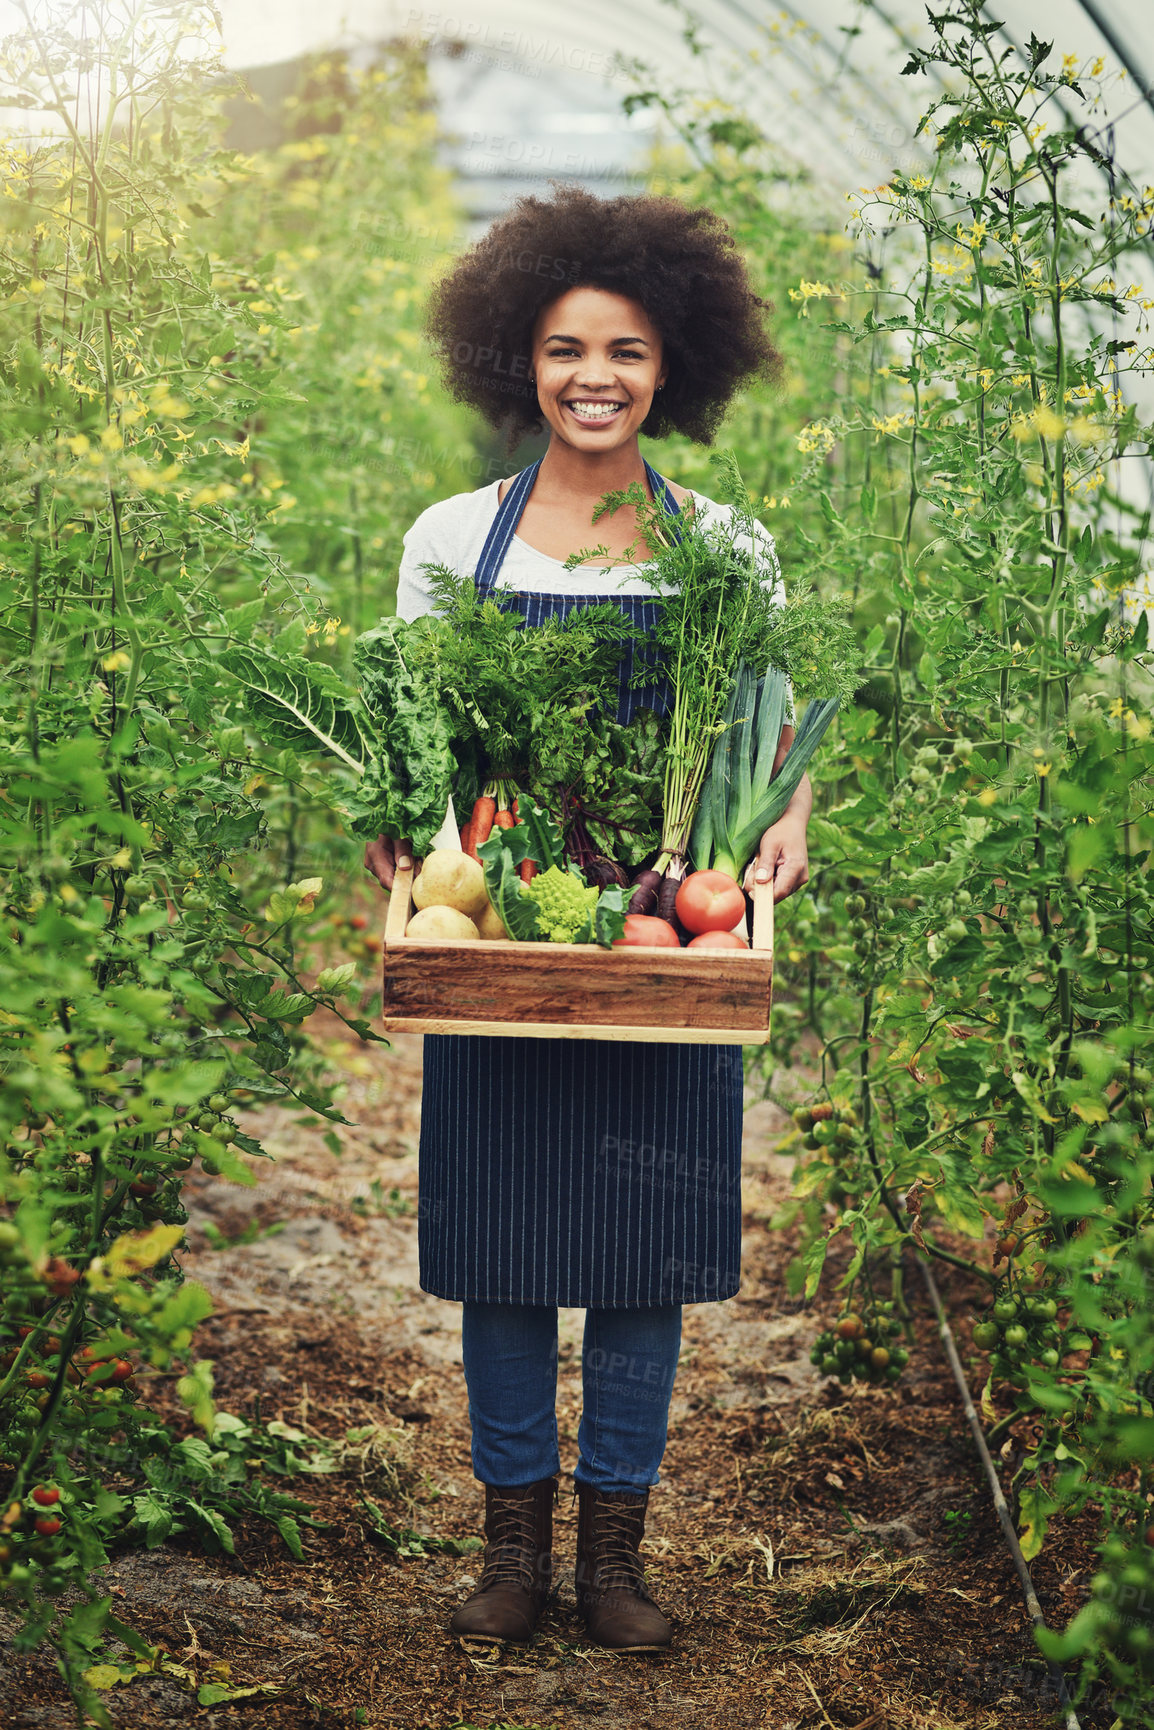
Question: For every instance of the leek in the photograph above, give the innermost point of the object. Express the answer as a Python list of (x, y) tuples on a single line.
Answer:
[(742, 797)]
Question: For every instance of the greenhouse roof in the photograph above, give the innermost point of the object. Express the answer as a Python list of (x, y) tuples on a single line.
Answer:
[(534, 90), (822, 77)]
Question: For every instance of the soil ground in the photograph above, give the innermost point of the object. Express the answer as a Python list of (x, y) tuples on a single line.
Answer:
[(829, 1556)]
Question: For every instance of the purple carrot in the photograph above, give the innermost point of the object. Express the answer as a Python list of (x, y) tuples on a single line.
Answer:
[(644, 896)]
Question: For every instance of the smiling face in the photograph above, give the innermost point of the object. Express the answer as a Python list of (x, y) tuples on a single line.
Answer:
[(597, 360)]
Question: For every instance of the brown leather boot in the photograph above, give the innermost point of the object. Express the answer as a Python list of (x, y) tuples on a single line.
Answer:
[(518, 1571), (611, 1595)]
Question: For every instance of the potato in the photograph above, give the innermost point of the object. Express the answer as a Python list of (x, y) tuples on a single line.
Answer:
[(490, 927), (442, 925), (451, 879)]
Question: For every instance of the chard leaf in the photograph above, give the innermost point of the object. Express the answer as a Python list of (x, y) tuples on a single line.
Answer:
[(300, 704)]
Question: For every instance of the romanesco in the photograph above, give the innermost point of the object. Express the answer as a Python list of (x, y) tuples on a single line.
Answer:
[(564, 904)]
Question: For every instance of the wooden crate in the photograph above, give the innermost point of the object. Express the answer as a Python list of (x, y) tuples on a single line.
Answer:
[(578, 990)]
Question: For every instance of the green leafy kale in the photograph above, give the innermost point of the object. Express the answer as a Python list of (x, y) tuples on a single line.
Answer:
[(405, 791)]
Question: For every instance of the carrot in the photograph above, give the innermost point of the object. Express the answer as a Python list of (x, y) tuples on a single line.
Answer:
[(644, 896), (504, 820), (467, 838), (484, 812), (528, 869), (513, 808)]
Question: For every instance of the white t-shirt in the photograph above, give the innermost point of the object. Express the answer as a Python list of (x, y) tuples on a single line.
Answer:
[(453, 531)]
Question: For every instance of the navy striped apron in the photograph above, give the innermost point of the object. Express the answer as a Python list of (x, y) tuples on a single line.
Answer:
[(593, 1173)]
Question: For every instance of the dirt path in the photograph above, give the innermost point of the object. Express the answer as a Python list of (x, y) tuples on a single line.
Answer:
[(829, 1556)]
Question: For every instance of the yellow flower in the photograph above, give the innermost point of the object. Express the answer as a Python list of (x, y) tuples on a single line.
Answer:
[(117, 662), (78, 444), (974, 235), (988, 796), (1049, 424), (816, 436), (891, 423)]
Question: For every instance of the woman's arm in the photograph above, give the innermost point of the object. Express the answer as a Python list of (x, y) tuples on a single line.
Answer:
[(783, 855)]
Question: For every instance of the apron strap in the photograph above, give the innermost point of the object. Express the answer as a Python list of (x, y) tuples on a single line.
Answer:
[(502, 530), (662, 492), (509, 513)]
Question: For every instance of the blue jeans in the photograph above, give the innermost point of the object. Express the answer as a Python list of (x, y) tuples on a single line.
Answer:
[(629, 1360)]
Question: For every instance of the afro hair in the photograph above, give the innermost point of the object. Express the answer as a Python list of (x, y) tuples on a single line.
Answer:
[(680, 264)]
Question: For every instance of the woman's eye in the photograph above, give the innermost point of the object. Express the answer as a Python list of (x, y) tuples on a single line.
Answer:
[(619, 354)]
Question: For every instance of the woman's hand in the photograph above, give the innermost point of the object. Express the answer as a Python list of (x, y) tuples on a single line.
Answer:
[(783, 857), (384, 857)]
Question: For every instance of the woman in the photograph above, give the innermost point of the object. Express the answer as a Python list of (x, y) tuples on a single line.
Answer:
[(600, 1174)]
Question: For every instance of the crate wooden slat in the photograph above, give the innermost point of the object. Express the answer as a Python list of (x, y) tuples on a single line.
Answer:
[(578, 990)]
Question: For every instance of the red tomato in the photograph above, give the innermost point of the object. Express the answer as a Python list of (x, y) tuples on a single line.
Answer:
[(45, 1496), (645, 931), (47, 1525), (710, 901), (718, 940)]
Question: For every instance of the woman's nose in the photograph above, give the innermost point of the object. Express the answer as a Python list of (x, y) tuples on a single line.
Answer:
[(594, 375)]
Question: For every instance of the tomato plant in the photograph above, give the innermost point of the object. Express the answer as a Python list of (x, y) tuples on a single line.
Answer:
[(165, 332), (971, 966)]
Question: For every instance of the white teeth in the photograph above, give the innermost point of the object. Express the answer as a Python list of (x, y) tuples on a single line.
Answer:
[(595, 410)]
